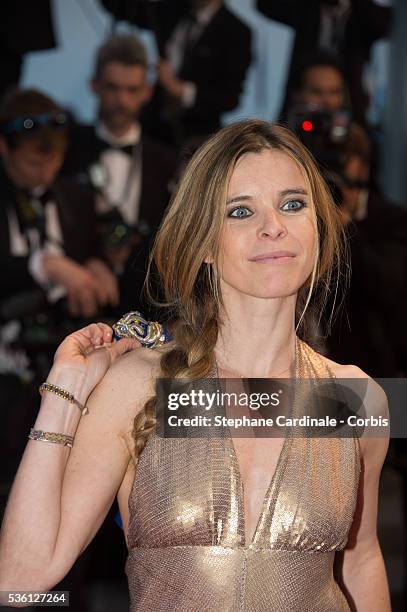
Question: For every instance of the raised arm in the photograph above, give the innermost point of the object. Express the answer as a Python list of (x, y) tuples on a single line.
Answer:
[(61, 495)]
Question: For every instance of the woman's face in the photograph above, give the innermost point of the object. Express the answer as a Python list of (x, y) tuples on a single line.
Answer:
[(268, 240)]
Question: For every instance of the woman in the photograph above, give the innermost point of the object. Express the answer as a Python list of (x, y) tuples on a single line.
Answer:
[(211, 524)]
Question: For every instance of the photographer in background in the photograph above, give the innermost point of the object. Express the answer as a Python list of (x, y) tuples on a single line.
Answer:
[(371, 330), (369, 326), (346, 28), (319, 110), (47, 225), (320, 82), (50, 270), (205, 52), (129, 172)]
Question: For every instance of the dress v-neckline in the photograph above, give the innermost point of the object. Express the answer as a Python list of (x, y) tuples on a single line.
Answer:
[(250, 540)]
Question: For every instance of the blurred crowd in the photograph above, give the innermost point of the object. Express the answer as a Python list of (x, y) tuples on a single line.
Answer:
[(80, 204)]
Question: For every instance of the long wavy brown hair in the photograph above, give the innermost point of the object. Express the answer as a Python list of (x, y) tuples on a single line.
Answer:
[(191, 230)]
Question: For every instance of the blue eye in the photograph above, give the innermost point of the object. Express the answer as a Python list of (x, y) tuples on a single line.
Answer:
[(293, 205), (238, 210)]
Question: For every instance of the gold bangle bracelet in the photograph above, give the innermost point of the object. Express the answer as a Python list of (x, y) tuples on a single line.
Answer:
[(50, 436), (66, 395)]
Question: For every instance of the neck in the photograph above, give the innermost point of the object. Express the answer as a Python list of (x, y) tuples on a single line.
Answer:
[(257, 336), (118, 131)]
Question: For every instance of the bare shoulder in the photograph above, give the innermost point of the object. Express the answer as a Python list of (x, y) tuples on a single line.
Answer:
[(344, 371), (375, 394), (374, 405), (140, 363), (132, 377), (125, 388)]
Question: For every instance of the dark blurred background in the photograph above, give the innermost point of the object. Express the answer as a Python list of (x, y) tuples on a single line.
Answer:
[(102, 102)]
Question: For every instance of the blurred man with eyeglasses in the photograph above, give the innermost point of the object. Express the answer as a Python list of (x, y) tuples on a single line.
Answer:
[(48, 235)]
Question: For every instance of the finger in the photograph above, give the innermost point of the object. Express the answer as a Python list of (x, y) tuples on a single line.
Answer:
[(73, 305), (98, 289), (105, 329), (81, 341), (106, 333), (114, 294), (92, 336), (101, 292), (123, 346), (88, 303), (99, 334)]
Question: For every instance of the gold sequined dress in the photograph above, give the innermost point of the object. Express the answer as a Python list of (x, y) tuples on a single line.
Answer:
[(186, 536)]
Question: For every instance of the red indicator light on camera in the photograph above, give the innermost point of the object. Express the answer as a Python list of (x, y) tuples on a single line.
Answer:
[(307, 126)]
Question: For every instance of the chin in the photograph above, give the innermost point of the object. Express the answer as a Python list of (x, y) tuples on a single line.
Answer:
[(276, 294), (269, 291), (267, 286)]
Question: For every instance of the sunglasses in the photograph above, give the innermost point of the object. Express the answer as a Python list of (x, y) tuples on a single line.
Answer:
[(33, 122)]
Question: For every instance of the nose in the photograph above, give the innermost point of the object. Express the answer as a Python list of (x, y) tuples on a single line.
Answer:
[(124, 97), (329, 102), (272, 225)]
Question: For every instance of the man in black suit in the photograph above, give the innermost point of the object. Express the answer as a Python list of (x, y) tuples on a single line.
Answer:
[(48, 240), (205, 53), (130, 172), (347, 28)]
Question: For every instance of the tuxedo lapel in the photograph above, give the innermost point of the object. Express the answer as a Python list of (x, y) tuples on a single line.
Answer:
[(202, 46)]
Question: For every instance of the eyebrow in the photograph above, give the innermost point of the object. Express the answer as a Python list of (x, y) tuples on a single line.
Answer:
[(283, 193)]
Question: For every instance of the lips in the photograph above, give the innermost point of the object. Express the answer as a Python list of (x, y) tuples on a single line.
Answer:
[(274, 255)]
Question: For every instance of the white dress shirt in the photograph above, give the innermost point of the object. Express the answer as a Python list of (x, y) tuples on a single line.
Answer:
[(123, 174), (29, 245), (333, 22)]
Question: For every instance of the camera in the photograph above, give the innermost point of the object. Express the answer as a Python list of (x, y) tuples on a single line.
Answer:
[(324, 133)]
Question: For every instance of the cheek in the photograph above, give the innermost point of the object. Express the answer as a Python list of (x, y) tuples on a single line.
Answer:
[(302, 229), (57, 165), (233, 243), (310, 241), (108, 99), (305, 235), (310, 233), (136, 99), (26, 170)]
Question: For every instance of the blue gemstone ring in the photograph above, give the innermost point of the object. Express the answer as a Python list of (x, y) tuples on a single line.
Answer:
[(134, 325)]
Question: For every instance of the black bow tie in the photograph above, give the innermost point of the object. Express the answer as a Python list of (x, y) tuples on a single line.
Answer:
[(44, 198), (127, 149), (31, 209), (27, 197)]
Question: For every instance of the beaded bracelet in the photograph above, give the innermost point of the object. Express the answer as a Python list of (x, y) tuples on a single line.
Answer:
[(50, 436), (64, 394)]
